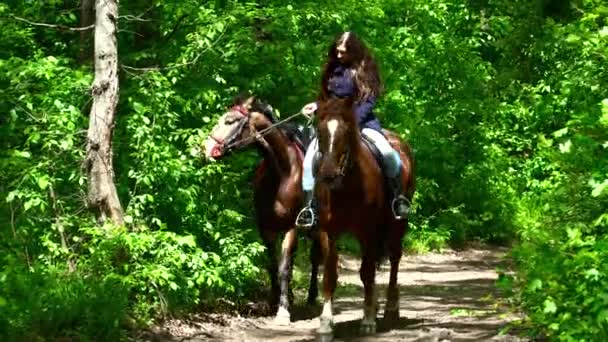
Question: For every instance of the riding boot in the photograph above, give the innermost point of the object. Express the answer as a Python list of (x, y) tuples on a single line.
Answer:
[(307, 218), (400, 204)]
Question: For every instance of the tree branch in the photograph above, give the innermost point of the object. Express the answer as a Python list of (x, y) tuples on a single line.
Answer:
[(55, 26), (175, 66), (130, 17)]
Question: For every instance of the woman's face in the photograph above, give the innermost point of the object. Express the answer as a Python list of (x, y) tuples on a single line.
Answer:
[(342, 52)]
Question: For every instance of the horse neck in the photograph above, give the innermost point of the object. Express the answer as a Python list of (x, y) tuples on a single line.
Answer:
[(277, 151)]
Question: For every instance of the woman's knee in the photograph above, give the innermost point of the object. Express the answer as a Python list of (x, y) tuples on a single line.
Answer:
[(389, 154), (380, 141)]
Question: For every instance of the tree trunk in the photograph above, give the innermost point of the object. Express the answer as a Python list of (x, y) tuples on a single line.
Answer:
[(86, 19), (102, 194)]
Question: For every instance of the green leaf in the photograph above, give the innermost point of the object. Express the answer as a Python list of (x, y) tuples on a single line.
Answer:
[(43, 182), (599, 188), (592, 274), (138, 107), (602, 317), (187, 240), (11, 196), (549, 306), (565, 147), (560, 132), (22, 154), (572, 38), (28, 204), (535, 285)]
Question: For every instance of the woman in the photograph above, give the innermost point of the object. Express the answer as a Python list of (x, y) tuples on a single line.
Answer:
[(350, 71)]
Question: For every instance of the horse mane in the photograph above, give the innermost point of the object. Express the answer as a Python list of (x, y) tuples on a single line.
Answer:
[(294, 132), (257, 106)]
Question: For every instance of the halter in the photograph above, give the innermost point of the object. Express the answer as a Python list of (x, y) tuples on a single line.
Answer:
[(244, 112), (344, 162)]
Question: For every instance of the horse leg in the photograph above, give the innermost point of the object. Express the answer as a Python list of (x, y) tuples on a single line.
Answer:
[(269, 238), (391, 310), (330, 277), (368, 277), (315, 259), (288, 248)]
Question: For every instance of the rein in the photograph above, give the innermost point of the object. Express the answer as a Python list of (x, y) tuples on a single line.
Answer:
[(259, 135)]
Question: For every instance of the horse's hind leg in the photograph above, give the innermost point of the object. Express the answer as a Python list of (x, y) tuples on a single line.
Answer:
[(368, 277), (315, 259), (288, 248), (391, 310)]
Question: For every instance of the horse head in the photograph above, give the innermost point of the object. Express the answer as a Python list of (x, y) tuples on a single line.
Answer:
[(338, 138), (235, 129)]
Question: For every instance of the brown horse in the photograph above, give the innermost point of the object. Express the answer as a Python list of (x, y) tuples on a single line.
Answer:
[(277, 188), (352, 198)]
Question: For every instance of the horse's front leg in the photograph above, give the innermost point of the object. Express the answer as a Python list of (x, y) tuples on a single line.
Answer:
[(330, 278), (288, 248), (269, 237), (368, 277)]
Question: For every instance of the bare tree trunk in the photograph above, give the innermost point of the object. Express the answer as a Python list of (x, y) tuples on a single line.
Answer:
[(98, 164), (86, 19)]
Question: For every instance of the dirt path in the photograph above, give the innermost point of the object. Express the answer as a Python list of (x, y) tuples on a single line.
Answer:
[(444, 297)]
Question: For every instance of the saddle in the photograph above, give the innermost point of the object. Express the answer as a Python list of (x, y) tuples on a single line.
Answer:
[(304, 134), (300, 134), (374, 150)]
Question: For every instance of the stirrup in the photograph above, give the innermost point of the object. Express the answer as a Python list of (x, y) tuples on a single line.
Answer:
[(396, 203), (305, 222)]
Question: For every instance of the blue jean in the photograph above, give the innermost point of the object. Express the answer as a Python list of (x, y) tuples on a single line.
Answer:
[(392, 161)]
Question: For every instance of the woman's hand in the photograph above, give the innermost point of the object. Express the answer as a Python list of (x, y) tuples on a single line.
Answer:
[(309, 109)]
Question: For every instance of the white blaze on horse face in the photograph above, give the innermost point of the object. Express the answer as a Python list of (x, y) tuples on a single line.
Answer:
[(332, 127)]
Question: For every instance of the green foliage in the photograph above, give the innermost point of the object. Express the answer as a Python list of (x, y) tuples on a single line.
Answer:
[(504, 102)]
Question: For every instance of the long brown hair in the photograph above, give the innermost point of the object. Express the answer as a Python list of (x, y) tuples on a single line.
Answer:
[(366, 74)]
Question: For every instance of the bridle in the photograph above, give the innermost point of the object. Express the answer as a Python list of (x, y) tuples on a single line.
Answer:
[(344, 162), (230, 142)]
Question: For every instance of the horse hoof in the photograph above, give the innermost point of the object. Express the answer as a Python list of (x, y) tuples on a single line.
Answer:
[(368, 328), (325, 337), (283, 317), (325, 328), (391, 315)]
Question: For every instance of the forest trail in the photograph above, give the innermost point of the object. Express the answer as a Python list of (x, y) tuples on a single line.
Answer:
[(444, 297)]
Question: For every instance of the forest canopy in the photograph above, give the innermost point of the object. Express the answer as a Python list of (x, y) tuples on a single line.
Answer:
[(504, 102)]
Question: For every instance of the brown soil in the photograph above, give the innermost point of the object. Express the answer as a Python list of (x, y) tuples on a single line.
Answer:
[(444, 297)]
